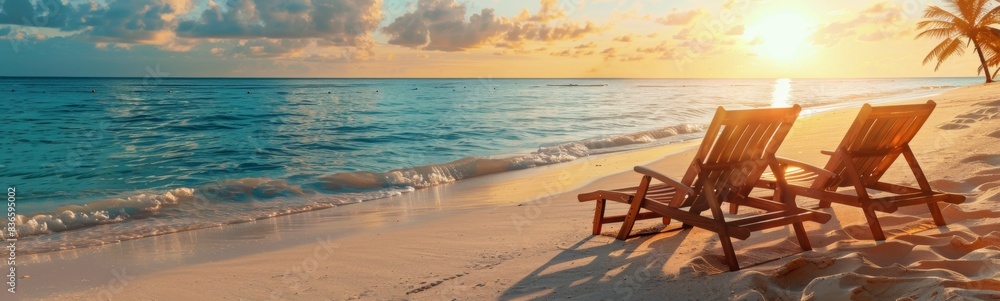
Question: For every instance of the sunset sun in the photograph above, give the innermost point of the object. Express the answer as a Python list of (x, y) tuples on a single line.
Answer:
[(781, 37)]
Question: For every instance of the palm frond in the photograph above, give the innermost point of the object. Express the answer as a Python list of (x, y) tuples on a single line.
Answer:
[(935, 12), (946, 49), (938, 33), (934, 24), (992, 16)]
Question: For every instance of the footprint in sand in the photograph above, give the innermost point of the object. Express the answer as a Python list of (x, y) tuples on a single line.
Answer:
[(993, 160), (992, 103), (917, 267), (952, 126), (963, 121), (980, 114), (982, 180)]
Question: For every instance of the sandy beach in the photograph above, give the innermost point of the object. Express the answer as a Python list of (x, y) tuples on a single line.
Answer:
[(523, 235)]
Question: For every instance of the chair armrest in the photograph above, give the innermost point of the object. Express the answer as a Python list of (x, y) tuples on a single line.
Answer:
[(806, 166), (827, 152), (665, 179)]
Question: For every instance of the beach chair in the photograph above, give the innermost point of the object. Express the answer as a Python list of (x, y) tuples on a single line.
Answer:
[(738, 147), (878, 136)]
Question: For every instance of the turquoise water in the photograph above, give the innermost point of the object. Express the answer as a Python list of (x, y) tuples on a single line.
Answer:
[(101, 160)]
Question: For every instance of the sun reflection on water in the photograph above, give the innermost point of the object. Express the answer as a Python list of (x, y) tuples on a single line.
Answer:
[(782, 93)]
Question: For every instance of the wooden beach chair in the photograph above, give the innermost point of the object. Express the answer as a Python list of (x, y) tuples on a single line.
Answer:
[(738, 147), (878, 136)]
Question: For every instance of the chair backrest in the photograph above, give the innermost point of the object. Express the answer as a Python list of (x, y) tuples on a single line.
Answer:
[(736, 150), (876, 139)]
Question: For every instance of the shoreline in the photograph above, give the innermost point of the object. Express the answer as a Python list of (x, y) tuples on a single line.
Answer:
[(381, 183), (217, 243), (527, 233)]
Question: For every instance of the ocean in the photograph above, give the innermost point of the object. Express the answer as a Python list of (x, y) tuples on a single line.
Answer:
[(101, 160)]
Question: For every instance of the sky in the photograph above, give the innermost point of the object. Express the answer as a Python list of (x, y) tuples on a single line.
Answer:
[(474, 38)]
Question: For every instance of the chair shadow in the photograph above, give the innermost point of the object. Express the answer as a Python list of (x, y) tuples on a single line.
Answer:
[(611, 265)]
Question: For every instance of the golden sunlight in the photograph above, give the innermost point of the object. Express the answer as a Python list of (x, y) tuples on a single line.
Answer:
[(781, 36), (782, 93)]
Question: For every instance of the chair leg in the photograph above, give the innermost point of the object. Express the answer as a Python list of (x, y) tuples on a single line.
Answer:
[(727, 249), (693, 210), (936, 213), (633, 213), (873, 223), (666, 221), (800, 233), (599, 216), (824, 204), (734, 208)]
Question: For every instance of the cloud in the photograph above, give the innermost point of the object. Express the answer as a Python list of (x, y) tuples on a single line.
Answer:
[(632, 58), (566, 52), (550, 11), (121, 21), (16, 11), (662, 47), (256, 28), (881, 21), (677, 17), (736, 30), (609, 53), (132, 22), (263, 48), (519, 32), (338, 22), (739, 5), (441, 25), (51, 14), (576, 51), (625, 38)]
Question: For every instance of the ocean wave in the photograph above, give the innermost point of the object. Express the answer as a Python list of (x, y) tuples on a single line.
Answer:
[(938, 87), (888, 94), (181, 209), (438, 174), (229, 201)]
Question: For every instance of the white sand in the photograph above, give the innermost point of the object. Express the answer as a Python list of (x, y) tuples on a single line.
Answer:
[(482, 239)]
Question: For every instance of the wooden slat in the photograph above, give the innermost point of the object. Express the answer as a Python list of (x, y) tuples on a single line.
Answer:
[(723, 141), (770, 135), (785, 220), (711, 137), (736, 154), (762, 204), (696, 220), (620, 218), (915, 199), (749, 151), (894, 188)]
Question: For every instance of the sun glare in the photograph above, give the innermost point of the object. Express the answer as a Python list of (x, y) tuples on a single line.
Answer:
[(782, 93), (780, 36)]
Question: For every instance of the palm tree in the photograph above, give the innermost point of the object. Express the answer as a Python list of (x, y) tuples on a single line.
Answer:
[(994, 50), (968, 22)]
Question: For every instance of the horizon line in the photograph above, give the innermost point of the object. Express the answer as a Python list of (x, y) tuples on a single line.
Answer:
[(490, 77)]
